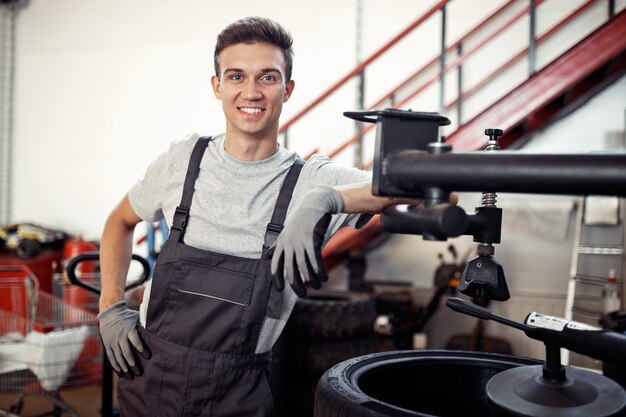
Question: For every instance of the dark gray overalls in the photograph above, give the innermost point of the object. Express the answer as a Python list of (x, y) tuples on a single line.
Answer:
[(203, 323)]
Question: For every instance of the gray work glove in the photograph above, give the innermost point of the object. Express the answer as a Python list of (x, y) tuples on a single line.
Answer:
[(298, 250), (118, 328)]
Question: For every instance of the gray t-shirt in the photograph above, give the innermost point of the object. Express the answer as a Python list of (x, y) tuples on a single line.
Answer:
[(233, 203)]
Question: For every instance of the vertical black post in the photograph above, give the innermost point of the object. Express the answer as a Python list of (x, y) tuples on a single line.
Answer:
[(553, 370), (286, 138), (532, 44), (459, 100), (107, 388), (611, 8), (442, 63), (356, 271)]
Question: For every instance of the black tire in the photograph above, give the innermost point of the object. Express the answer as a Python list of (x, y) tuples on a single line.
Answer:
[(412, 383), (28, 248), (314, 357), (307, 360), (332, 315)]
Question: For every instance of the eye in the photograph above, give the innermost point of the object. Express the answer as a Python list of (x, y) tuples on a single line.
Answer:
[(236, 77), (268, 78)]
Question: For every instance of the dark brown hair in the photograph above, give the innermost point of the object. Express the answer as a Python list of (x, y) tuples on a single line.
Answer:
[(255, 29)]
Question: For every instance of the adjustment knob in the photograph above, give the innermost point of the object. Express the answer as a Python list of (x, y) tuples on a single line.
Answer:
[(493, 139), (493, 132)]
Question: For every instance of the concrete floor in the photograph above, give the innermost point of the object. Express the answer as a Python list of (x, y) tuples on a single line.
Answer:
[(85, 401)]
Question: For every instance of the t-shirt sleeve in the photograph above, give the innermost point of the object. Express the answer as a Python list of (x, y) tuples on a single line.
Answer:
[(325, 171), (145, 196)]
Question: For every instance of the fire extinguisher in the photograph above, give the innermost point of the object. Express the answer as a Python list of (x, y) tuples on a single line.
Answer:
[(85, 299), (72, 294)]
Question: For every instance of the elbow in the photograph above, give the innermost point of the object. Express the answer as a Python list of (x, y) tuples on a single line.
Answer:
[(122, 218)]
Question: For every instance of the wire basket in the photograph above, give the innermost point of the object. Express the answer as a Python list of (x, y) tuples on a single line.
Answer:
[(76, 296), (45, 344)]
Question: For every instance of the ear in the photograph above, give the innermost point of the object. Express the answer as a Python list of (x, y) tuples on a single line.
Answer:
[(288, 90), (215, 82)]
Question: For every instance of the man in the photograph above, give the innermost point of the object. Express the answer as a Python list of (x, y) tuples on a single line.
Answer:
[(212, 313)]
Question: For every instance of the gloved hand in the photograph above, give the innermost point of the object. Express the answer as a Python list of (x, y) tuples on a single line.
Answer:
[(118, 328), (298, 250)]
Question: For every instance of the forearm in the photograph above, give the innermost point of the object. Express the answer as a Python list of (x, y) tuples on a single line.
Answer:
[(358, 198), (116, 252)]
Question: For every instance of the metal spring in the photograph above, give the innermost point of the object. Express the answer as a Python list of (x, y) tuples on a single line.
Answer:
[(489, 199)]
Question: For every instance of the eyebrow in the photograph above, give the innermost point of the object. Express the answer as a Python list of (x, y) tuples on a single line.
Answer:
[(264, 70), (271, 70)]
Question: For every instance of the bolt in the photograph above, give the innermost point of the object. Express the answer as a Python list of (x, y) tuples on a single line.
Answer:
[(486, 250)]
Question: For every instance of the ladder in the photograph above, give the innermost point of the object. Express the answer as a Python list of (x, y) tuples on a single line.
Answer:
[(598, 251)]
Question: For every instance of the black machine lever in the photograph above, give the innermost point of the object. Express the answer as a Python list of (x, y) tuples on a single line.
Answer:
[(556, 331), (95, 256), (436, 219)]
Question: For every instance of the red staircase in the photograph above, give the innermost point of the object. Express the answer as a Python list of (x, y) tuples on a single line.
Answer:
[(553, 91)]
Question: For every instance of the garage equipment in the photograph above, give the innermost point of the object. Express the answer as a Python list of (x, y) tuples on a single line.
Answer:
[(413, 162), (410, 160), (91, 283), (46, 345), (412, 383), (551, 389), (28, 239), (615, 321)]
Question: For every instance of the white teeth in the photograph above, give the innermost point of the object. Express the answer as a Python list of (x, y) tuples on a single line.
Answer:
[(251, 110)]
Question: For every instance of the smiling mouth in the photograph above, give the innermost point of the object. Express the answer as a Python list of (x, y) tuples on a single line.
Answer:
[(251, 110)]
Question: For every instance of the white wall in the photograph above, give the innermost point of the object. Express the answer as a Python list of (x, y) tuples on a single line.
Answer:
[(103, 87)]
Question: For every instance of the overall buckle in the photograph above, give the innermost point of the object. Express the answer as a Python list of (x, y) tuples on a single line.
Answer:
[(181, 217), (271, 234)]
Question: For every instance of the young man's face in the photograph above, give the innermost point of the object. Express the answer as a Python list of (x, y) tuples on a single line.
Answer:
[(252, 88)]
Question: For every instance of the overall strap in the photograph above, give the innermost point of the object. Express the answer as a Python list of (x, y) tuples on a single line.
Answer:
[(275, 226), (181, 215)]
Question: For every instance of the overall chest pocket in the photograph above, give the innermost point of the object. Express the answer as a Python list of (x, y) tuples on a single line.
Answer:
[(216, 283), (211, 305)]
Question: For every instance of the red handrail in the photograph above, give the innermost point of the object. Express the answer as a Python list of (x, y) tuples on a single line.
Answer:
[(464, 56), (350, 141), (521, 54), (453, 65), (572, 68), (353, 139), (409, 79), (456, 63), (363, 64), (449, 49)]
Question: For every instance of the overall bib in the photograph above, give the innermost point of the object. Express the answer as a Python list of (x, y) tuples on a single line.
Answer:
[(203, 322)]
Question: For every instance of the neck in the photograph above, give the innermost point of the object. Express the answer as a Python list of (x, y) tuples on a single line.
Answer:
[(248, 149)]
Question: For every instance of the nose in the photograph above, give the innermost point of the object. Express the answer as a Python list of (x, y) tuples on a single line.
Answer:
[(251, 91)]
